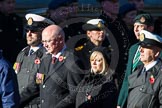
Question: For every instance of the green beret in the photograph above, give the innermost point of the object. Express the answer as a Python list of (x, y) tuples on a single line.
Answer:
[(144, 19)]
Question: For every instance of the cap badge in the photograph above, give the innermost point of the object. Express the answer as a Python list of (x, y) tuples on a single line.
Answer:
[(142, 19), (142, 37), (100, 24), (30, 21)]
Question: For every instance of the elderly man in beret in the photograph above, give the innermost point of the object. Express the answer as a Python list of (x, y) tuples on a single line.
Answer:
[(28, 60), (141, 22), (145, 83)]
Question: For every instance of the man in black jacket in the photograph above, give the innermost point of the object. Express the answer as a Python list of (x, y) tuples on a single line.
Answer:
[(59, 71)]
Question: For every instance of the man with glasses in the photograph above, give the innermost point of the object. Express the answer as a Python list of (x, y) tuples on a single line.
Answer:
[(28, 60), (59, 71)]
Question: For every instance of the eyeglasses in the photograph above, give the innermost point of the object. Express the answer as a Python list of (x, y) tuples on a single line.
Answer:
[(47, 41)]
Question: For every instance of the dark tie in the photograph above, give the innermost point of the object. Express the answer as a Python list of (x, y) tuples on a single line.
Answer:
[(53, 60), (31, 52), (143, 70)]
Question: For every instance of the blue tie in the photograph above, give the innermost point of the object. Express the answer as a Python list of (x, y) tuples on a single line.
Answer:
[(31, 52)]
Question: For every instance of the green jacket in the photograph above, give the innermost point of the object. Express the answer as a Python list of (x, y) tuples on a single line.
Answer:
[(124, 89)]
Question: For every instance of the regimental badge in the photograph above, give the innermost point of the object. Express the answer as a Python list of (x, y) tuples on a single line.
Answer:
[(100, 25), (39, 78), (142, 37), (30, 21), (79, 48), (16, 67), (142, 19)]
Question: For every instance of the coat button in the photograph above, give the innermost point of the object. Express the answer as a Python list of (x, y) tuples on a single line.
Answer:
[(141, 88), (44, 86), (42, 101)]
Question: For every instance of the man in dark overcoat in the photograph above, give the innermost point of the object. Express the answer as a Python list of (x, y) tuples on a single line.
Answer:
[(145, 82), (59, 71)]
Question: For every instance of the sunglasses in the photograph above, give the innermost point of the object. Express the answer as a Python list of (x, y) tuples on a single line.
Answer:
[(32, 30)]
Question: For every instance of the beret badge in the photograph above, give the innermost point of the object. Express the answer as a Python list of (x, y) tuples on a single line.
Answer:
[(142, 19), (142, 37), (30, 21)]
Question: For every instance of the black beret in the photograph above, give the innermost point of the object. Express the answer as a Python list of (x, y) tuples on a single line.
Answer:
[(144, 19), (124, 9), (105, 51)]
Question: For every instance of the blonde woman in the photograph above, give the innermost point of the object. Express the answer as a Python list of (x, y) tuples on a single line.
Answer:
[(98, 90)]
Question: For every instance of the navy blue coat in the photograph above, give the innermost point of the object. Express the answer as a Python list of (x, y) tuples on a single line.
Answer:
[(9, 95)]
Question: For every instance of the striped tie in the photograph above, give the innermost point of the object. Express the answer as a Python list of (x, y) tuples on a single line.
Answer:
[(136, 59)]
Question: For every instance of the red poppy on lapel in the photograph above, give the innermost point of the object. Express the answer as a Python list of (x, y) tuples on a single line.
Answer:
[(152, 79), (61, 58), (37, 61)]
